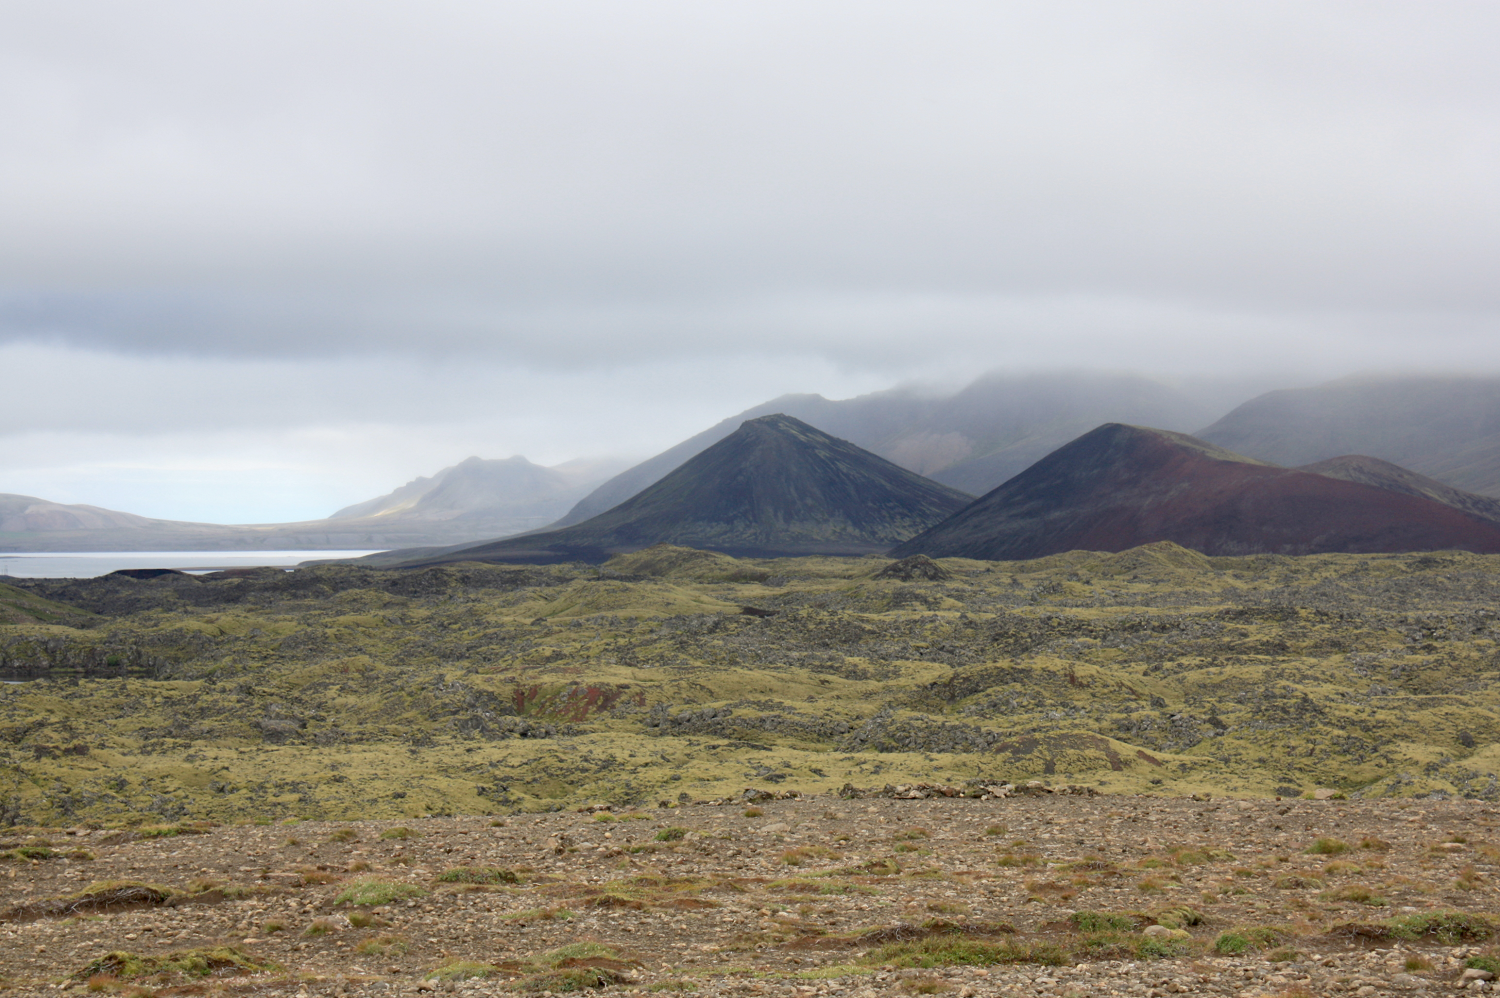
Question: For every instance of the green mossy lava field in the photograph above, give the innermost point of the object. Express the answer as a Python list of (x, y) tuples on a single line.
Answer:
[(342, 692)]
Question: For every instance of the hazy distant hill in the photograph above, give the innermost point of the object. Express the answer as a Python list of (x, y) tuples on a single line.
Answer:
[(487, 498), (775, 486), (972, 440), (1447, 428), (472, 501), (28, 514), (1119, 486), (1393, 477)]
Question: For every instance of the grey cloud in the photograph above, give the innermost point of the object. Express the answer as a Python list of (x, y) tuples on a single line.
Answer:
[(575, 184)]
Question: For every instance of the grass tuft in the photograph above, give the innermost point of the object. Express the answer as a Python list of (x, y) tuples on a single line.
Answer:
[(386, 945), (1097, 921), (463, 970), (1236, 942), (368, 891), (1327, 847), (478, 875)]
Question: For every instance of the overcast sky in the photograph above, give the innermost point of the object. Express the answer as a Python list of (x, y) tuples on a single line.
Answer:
[(259, 260)]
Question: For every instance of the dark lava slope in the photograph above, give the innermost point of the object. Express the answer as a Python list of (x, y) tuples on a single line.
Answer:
[(1119, 486), (775, 487)]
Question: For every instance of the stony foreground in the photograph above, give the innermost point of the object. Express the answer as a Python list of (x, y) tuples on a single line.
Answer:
[(1029, 895)]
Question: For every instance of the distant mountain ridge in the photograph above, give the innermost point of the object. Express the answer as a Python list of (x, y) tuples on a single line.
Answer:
[(473, 483), (507, 496), (1120, 486), (471, 501), (774, 487), (1447, 428), (1443, 431), (28, 514)]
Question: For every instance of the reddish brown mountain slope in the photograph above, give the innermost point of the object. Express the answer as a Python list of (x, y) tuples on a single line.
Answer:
[(1394, 478), (1120, 486)]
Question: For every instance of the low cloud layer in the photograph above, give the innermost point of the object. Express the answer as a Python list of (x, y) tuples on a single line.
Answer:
[(512, 224)]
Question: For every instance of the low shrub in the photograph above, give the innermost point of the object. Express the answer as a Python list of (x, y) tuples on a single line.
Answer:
[(169, 831), (369, 891), (1295, 882), (1355, 892), (528, 915), (1176, 918), (1159, 948), (478, 875), (1447, 927), (1096, 921), (217, 961), (950, 950), (570, 979), (1327, 847), (383, 946), (462, 970), (1244, 940), (1011, 859), (870, 868)]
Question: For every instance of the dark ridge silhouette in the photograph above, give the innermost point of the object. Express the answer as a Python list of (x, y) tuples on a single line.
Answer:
[(774, 487), (1120, 486), (146, 574)]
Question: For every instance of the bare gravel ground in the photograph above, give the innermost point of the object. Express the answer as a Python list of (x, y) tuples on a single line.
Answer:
[(1114, 895)]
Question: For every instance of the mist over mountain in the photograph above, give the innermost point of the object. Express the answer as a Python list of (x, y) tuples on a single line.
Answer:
[(1120, 486), (775, 486), (1447, 428), (972, 439)]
